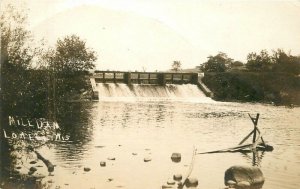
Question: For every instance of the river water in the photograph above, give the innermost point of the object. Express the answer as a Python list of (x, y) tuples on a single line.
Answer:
[(131, 129)]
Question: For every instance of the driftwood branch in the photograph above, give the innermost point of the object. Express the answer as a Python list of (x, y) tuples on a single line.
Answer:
[(49, 165), (190, 169), (246, 137), (233, 149)]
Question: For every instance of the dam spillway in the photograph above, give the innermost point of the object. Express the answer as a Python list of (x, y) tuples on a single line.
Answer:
[(138, 90), (147, 84)]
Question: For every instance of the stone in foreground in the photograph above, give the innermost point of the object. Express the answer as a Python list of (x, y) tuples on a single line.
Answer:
[(244, 176), (177, 177), (171, 182), (147, 159), (176, 157), (191, 182)]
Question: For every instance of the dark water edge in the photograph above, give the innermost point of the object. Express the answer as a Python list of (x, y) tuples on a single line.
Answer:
[(67, 113), (267, 103)]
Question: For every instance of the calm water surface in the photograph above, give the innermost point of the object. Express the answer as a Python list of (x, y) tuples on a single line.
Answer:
[(130, 130)]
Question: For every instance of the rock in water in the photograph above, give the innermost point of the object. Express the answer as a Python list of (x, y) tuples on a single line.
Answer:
[(177, 177), (176, 157), (86, 169), (170, 182), (147, 159), (191, 182), (243, 174), (33, 169), (102, 163), (111, 158), (40, 176)]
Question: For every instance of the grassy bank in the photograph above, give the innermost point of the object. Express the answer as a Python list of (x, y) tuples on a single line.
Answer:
[(268, 87)]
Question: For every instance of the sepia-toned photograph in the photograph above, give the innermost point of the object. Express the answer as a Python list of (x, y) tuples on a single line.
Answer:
[(150, 94)]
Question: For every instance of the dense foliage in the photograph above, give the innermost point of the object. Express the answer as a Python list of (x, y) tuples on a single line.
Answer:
[(33, 81), (17, 54), (219, 63), (71, 55), (279, 61), (265, 77), (281, 88)]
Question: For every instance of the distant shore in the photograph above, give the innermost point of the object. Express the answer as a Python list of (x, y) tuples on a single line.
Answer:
[(267, 87)]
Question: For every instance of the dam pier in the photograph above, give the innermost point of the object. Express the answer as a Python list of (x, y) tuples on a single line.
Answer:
[(161, 79)]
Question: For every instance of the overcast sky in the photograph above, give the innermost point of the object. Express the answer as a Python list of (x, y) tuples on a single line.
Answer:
[(150, 34)]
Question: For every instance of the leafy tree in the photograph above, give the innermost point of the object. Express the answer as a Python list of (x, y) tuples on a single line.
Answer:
[(15, 39), (71, 55), (68, 64), (236, 64), (176, 66), (17, 54), (284, 62), (279, 61), (259, 62), (219, 63)]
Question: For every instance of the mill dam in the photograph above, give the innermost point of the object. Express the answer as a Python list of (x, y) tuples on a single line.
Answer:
[(118, 83)]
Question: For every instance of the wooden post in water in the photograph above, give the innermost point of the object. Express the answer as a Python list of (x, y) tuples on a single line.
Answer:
[(254, 121)]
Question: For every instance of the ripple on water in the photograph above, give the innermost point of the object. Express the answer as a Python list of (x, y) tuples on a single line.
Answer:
[(167, 126)]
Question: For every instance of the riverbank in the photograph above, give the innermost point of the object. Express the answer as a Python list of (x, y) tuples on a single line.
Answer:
[(266, 87)]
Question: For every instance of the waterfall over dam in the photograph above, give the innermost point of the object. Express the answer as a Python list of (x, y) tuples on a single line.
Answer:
[(108, 84), (138, 90)]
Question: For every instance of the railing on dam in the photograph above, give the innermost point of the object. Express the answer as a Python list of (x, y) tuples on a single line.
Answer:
[(154, 78)]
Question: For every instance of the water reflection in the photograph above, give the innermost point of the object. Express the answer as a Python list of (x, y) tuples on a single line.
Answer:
[(254, 158), (120, 129), (76, 122)]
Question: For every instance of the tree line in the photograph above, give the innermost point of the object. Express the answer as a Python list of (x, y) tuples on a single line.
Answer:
[(276, 61), (35, 79)]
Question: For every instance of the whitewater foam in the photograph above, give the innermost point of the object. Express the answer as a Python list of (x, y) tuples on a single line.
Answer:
[(137, 92)]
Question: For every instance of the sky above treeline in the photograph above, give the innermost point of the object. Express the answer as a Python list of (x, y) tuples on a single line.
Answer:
[(150, 35)]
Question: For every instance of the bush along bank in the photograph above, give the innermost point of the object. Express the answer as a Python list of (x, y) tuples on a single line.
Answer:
[(268, 87)]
